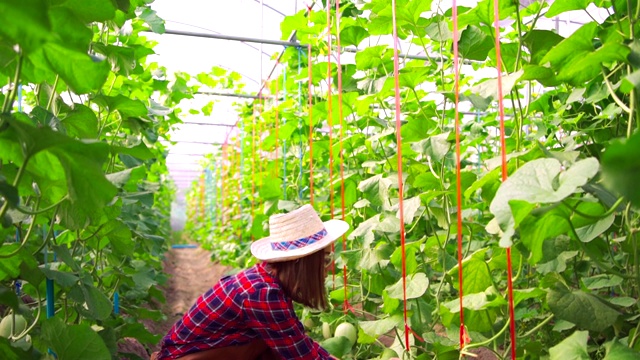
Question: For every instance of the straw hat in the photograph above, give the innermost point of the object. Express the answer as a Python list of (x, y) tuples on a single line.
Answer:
[(297, 234)]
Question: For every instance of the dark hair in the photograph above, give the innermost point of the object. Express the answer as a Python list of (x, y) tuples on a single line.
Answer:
[(303, 279)]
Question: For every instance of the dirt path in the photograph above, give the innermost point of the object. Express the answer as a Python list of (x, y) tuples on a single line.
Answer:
[(191, 273)]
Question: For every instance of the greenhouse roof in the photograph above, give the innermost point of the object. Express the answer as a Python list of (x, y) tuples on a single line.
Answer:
[(197, 39)]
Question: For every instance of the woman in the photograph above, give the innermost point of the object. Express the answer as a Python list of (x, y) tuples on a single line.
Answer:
[(250, 315)]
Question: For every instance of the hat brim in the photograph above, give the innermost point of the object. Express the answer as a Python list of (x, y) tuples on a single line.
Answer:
[(262, 250)]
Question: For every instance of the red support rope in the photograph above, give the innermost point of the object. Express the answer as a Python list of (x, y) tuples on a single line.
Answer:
[(260, 130), (346, 306), (330, 122), (503, 146), (456, 69), (224, 174), (253, 165), (396, 66), (277, 125), (310, 113)]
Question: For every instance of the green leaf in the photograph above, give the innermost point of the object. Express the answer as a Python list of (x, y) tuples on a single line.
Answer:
[(69, 29), (439, 31), (365, 229), (8, 297), (576, 45), (77, 69), (271, 189), (380, 327), (353, 35), (98, 304), (586, 66), (153, 20), (412, 77), (557, 265), (12, 267), (63, 279), (376, 189), (592, 231), (373, 57), (11, 352), (630, 82), (411, 207), (476, 274), (140, 151), (623, 301), (410, 257), (127, 107), (601, 281), (621, 168), (489, 88), (119, 237), (91, 10), (416, 285), (539, 42), (583, 309), (426, 181), (416, 129), (618, 351), (558, 7), (8, 192), (25, 22), (572, 348), (538, 181), (436, 147), (81, 122), (390, 225), (474, 44), (337, 346), (73, 342), (132, 175)]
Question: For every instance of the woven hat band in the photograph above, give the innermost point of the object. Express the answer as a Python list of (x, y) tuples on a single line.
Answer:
[(299, 243)]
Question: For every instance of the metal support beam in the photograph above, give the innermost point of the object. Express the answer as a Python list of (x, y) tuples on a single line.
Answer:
[(232, 38), (243, 96), (278, 42), (204, 123)]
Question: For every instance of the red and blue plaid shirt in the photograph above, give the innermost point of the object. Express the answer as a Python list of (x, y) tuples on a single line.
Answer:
[(237, 310)]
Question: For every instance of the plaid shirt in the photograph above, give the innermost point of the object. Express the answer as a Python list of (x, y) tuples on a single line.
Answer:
[(237, 310)]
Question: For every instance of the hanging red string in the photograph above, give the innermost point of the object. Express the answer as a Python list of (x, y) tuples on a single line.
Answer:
[(345, 306), (260, 129), (253, 165), (237, 174), (503, 146), (310, 112), (224, 174), (396, 66), (330, 122), (456, 69), (276, 129)]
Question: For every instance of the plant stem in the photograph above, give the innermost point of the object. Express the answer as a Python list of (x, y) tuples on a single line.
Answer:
[(49, 233), (632, 106), (488, 341), (610, 211), (25, 238), (53, 93), (8, 101), (16, 181), (537, 327), (612, 92), (41, 211)]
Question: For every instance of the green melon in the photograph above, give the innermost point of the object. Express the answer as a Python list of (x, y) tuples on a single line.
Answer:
[(5, 325)]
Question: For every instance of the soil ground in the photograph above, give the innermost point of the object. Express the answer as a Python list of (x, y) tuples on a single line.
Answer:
[(191, 273)]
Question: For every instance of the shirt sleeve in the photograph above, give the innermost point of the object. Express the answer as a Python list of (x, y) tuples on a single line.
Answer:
[(271, 315)]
